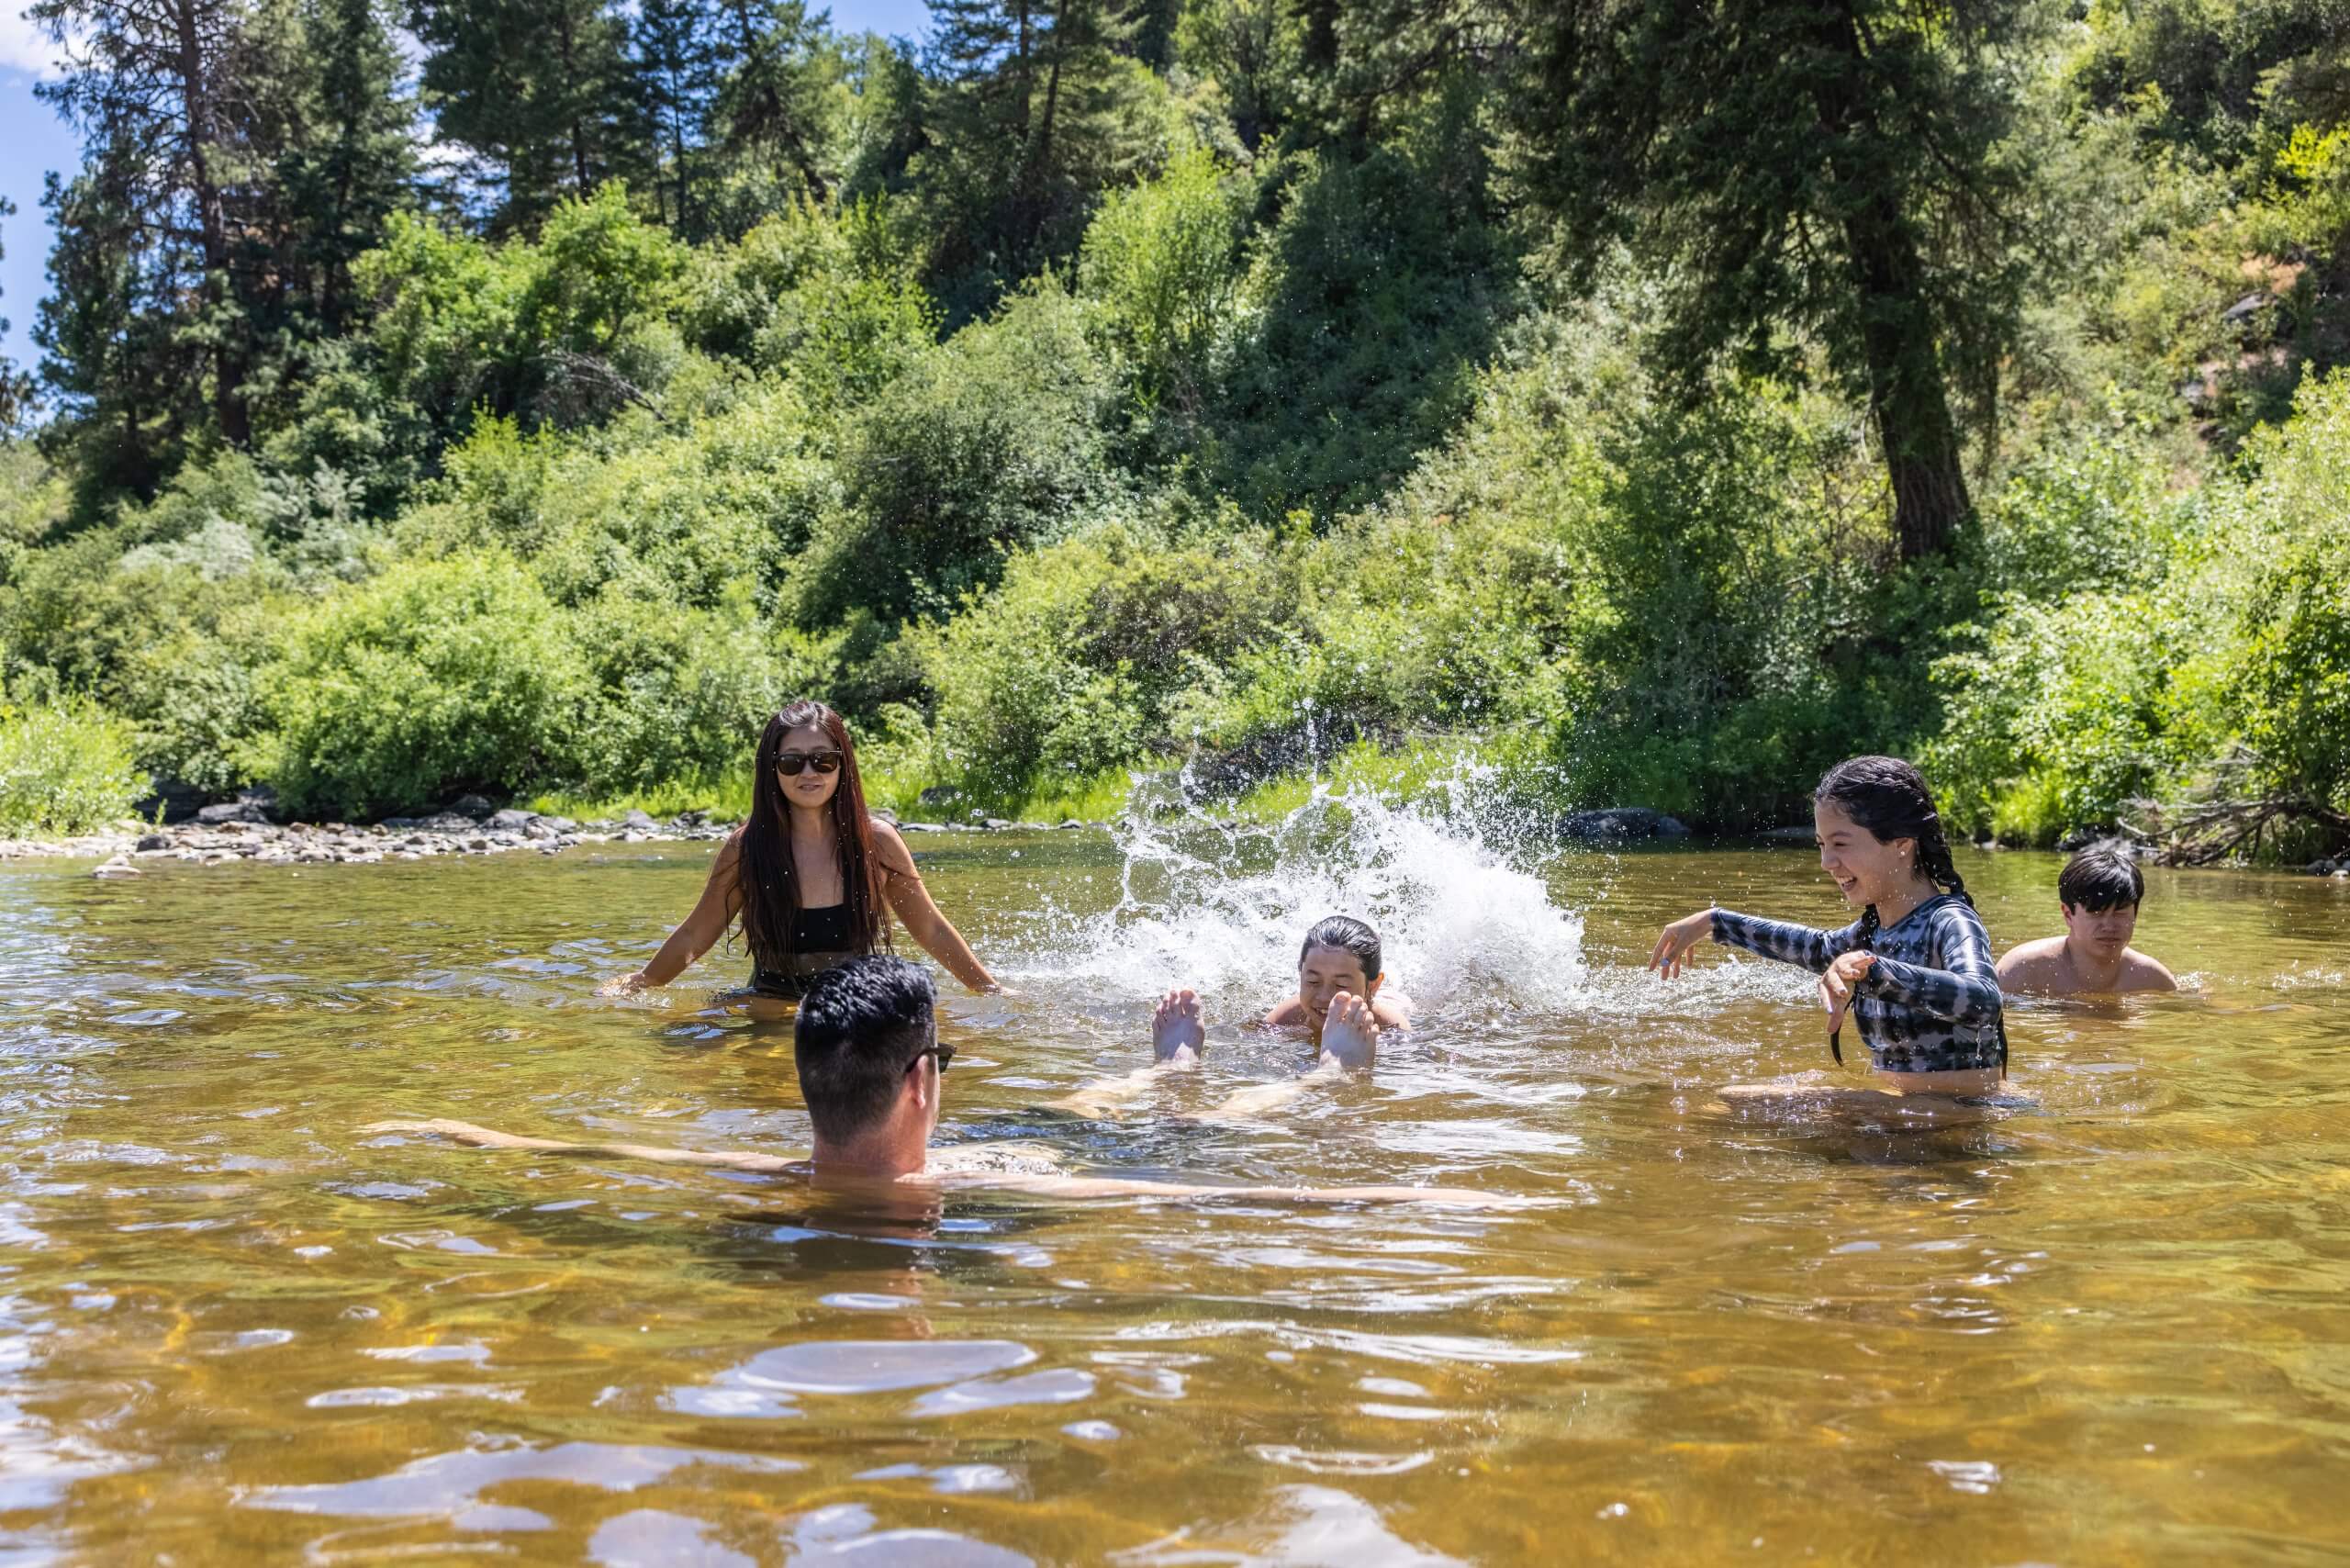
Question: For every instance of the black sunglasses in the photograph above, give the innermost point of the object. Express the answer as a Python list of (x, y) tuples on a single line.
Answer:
[(940, 1049), (791, 763)]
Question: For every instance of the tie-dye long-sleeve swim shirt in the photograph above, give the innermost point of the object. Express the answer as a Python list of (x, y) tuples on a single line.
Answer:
[(1930, 1003)]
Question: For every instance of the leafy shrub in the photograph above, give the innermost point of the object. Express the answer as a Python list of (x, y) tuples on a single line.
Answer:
[(680, 695), (993, 441), (2294, 693), (435, 677), (1075, 662), (1159, 257), (64, 768)]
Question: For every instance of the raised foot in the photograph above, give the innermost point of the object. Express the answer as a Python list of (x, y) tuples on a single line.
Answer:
[(1350, 1034), (1177, 1035)]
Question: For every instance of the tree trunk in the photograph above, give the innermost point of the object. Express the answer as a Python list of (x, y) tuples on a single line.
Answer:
[(566, 46), (792, 149), (212, 224), (1908, 400)]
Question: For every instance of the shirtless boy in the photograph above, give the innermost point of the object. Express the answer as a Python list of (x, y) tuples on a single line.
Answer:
[(2099, 890)]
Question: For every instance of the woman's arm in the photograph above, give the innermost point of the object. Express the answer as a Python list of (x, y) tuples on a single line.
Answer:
[(721, 896), (1963, 990), (910, 901)]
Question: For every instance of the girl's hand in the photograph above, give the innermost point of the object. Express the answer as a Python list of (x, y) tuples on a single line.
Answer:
[(1671, 954), (1836, 985), (622, 985)]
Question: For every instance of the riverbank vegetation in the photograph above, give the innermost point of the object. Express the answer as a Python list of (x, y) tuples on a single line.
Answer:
[(1659, 401)]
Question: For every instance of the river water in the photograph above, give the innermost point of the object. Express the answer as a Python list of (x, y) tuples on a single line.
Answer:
[(2110, 1324)]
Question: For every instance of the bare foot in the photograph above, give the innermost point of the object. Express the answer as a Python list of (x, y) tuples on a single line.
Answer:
[(1350, 1032), (1177, 1035)]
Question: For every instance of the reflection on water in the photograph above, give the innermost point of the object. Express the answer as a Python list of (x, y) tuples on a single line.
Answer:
[(2103, 1323)]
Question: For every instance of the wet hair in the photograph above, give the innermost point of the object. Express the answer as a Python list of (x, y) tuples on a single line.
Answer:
[(766, 882), (2101, 877), (861, 1025), (1348, 935), (1889, 800)]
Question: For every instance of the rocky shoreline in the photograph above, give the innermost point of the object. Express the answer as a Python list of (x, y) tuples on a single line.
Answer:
[(242, 833)]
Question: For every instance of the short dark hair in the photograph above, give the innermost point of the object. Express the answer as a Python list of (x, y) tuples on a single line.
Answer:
[(2100, 877), (861, 1025), (1348, 935)]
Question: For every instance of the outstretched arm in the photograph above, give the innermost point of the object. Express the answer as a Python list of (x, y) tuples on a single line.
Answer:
[(489, 1137), (901, 885), (721, 897), (1114, 1187)]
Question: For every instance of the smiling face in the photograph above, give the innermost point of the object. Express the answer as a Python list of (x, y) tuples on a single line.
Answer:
[(1865, 869), (2102, 934), (808, 789), (1325, 973)]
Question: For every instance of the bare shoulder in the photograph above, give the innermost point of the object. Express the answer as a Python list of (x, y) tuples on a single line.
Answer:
[(2140, 972), (889, 845), (2032, 966), (1286, 1013), (1391, 1010)]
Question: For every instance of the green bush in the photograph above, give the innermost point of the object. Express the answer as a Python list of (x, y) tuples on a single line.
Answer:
[(1161, 258), (437, 677), (991, 442), (679, 695), (64, 768), (2295, 690), (1079, 660)]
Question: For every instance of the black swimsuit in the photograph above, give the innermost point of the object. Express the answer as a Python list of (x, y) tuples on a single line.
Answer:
[(820, 939)]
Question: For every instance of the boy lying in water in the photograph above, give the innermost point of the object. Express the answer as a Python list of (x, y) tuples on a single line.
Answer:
[(871, 1070), (1338, 1005), (2098, 893)]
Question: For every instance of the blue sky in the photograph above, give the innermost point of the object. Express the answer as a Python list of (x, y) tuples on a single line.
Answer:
[(32, 141)]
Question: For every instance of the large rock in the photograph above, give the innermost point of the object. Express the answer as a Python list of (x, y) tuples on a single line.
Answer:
[(474, 806), (1621, 824), (176, 800), (641, 821), (231, 811), (509, 820)]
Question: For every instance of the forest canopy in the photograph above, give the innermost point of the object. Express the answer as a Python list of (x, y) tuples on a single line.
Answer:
[(1660, 401)]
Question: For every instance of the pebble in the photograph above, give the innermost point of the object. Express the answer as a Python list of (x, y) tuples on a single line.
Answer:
[(407, 839)]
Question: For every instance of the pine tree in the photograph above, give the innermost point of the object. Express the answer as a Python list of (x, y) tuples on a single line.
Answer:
[(534, 90), (771, 101), (676, 66), (1829, 168), (356, 164), (148, 80), (16, 390)]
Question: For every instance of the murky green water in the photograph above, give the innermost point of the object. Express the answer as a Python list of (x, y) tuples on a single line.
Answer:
[(2110, 1326)]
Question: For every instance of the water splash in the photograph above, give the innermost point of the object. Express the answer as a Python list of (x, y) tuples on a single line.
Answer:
[(1455, 890)]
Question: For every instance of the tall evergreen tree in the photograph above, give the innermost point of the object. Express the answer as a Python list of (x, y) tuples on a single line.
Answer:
[(354, 164), (16, 390), (150, 83), (675, 64), (771, 103), (116, 350), (1826, 165), (536, 91), (1030, 123)]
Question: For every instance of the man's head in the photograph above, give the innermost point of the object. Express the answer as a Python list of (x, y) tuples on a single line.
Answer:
[(2100, 889), (866, 1046)]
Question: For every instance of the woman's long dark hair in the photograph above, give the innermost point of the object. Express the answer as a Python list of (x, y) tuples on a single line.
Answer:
[(1890, 799), (766, 881)]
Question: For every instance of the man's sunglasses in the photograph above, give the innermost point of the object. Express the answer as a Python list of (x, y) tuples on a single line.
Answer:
[(942, 1050), (791, 763)]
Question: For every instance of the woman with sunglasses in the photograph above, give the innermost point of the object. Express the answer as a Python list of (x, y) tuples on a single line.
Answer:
[(812, 876)]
